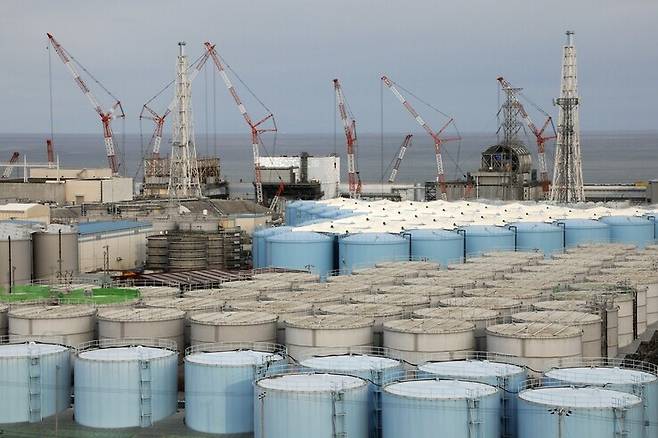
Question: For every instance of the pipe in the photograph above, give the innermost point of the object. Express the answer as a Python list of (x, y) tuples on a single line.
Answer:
[(405, 235), (10, 270), (564, 233), (462, 231), (516, 231)]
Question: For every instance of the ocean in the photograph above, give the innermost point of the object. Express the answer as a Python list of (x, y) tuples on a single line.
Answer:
[(608, 157)]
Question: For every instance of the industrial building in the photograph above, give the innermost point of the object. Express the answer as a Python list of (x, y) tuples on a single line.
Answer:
[(303, 177), (112, 245), (25, 212)]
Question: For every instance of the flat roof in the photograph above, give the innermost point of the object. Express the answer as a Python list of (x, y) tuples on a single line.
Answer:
[(107, 226)]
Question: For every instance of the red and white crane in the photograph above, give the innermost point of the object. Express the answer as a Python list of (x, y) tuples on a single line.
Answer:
[(10, 169), (349, 125), (106, 116), (256, 127), (540, 137), (50, 152), (406, 143), (438, 141)]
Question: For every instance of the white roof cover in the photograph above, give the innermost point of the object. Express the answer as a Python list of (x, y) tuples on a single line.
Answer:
[(580, 397), (350, 363), (470, 368), (440, 389), (233, 358), (311, 382), (29, 349), (125, 353), (601, 375)]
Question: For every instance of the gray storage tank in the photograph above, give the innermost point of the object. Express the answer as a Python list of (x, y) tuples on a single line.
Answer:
[(209, 327), (55, 252), (73, 324)]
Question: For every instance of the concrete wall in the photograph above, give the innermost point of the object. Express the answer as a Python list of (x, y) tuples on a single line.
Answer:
[(99, 190), (127, 250), (32, 191), (71, 173), (30, 212)]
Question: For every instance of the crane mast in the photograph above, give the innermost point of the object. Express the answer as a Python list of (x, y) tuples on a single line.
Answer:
[(255, 127), (105, 116), (406, 143), (10, 169), (349, 125), (50, 152)]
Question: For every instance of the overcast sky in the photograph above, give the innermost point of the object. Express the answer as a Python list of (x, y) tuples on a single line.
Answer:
[(447, 52)]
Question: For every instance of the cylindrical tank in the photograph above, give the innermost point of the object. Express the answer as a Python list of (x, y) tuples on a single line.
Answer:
[(315, 297), (506, 306), (439, 246), (4, 321), (157, 252), (219, 387), (485, 238), (55, 252), (379, 312), (17, 249), (584, 231), (579, 412), (507, 377), (306, 335), (526, 296), (537, 345), (482, 318), (73, 324), (125, 386), (630, 229), (282, 309), (422, 408), (538, 236), (311, 405), (434, 293), (188, 250), (36, 381), (301, 250), (367, 249), (418, 340), (408, 302), (158, 291), (291, 212), (232, 327), (123, 323)]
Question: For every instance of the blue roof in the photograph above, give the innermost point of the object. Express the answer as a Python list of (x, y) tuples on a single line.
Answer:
[(107, 226)]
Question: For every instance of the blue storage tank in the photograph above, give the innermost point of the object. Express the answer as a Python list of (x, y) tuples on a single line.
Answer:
[(653, 217), (303, 212), (577, 231), (439, 246), (579, 412), (258, 244), (291, 212), (630, 229), (643, 384), (125, 386), (486, 238), (538, 236), (508, 377), (219, 391), (311, 405), (301, 250), (366, 249), (35, 381), (430, 408)]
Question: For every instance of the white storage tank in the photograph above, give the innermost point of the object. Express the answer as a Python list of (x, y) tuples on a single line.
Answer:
[(526, 296), (55, 252), (36, 381), (219, 390), (433, 293), (156, 323), (431, 408), (222, 297), (282, 309), (315, 297), (482, 318), (418, 340), (505, 306), (408, 302), (209, 327), (73, 324), (306, 335), (125, 386), (311, 405), (379, 312)]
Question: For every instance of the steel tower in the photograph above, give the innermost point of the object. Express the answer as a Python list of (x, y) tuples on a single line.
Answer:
[(568, 168), (184, 172)]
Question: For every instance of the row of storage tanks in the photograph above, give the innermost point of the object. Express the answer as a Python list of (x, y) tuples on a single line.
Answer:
[(254, 388), (324, 253)]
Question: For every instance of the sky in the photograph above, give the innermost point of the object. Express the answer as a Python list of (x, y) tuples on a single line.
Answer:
[(449, 53)]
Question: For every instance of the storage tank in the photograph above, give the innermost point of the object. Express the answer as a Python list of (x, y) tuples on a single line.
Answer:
[(367, 249), (379, 312), (526, 296), (125, 386), (451, 408), (282, 309), (439, 246), (316, 298), (258, 245), (418, 340), (431, 292), (36, 381), (538, 236), (579, 412), (219, 391), (188, 251), (306, 335), (4, 321), (55, 252), (584, 231), (485, 238), (507, 377), (311, 405), (301, 250), (158, 291), (408, 302), (505, 306), (209, 327), (157, 252), (482, 318), (539, 346), (72, 324), (630, 229), (15, 257), (126, 323), (291, 212), (222, 297)]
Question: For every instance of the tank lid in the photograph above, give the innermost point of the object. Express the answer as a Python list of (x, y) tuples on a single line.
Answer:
[(233, 358), (575, 305), (514, 293), (459, 313), (306, 296), (125, 354), (311, 382), (567, 317), (601, 375), (329, 322), (395, 299), (411, 264), (338, 287), (220, 295), (428, 326), (155, 291), (416, 289), (471, 368), (277, 307), (350, 362), (373, 239), (185, 304), (484, 302), (51, 312), (593, 398), (263, 285), (440, 389), (139, 314), (534, 330), (28, 349), (299, 236), (364, 309), (233, 318)]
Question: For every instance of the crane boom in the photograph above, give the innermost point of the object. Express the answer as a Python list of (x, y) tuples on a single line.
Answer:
[(349, 125), (9, 169), (256, 129), (50, 152), (540, 138), (105, 116), (406, 143)]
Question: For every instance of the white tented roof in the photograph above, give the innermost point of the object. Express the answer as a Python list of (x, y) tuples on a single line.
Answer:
[(125, 353), (29, 349), (601, 375), (349, 363), (592, 398), (233, 358), (440, 389), (471, 368), (311, 382)]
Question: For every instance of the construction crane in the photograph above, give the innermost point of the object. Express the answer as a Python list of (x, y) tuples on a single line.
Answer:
[(50, 152), (10, 169), (349, 125), (436, 135), (539, 134), (277, 196), (115, 111), (398, 160), (159, 120), (256, 127)]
